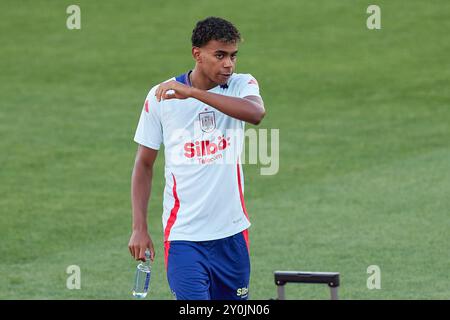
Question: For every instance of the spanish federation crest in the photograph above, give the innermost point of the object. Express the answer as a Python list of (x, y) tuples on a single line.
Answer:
[(207, 121)]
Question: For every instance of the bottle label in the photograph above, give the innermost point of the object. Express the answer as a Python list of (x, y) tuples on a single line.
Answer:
[(147, 281)]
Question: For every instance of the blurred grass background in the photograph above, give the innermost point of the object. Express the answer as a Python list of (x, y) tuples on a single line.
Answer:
[(364, 127)]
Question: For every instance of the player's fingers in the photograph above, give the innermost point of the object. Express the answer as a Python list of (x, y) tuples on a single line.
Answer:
[(164, 93), (136, 252), (152, 251), (158, 93), (130, 248), (170, 96), (142, 254)]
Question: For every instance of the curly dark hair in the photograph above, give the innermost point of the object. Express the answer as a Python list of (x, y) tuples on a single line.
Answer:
[(214, 28)]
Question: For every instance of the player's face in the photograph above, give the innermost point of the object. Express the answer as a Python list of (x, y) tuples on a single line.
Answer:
[(218, 60)]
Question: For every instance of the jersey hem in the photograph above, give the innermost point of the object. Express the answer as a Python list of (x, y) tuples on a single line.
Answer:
[(208, 237)]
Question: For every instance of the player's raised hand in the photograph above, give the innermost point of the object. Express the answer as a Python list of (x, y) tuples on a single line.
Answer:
[(179, 91), (139, 242)]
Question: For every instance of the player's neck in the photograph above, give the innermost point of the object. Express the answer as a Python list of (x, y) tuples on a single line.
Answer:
[(199, 81)]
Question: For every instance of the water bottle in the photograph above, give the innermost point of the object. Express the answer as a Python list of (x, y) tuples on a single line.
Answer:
[(142, 278)]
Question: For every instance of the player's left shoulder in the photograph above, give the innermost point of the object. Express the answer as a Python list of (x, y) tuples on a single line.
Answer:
[(242, 80)]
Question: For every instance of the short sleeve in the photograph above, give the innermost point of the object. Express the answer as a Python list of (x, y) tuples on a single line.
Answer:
[(149, 130), (248, 86)]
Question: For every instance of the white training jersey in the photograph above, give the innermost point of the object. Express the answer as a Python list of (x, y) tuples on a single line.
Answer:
[(203, 195)]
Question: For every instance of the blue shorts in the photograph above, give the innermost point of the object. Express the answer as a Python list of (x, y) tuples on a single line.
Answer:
[(209, 270)]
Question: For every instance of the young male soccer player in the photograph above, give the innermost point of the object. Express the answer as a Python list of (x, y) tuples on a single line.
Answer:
[(199, 116)]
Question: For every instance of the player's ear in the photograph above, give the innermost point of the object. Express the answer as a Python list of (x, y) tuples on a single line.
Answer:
[(196, 54)]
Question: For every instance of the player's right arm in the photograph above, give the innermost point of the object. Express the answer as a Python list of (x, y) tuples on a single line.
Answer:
[(141, 181), (149, 137)]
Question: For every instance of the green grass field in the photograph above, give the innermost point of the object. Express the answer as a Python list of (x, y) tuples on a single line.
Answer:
[(364, 119)]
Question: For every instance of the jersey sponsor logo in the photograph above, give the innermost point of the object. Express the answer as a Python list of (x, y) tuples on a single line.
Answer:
[(205, 147), (207, 121), (242, 292)]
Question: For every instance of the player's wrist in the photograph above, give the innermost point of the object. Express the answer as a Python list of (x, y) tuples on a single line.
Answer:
[(193, 92), (140, 227)]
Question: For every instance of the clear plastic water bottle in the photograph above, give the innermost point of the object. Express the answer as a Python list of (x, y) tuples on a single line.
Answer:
[(142, 278)]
